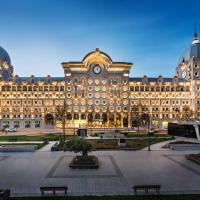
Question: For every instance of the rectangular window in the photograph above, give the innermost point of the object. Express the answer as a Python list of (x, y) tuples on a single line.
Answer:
[(16, 124), (37, 124), (27, 124)]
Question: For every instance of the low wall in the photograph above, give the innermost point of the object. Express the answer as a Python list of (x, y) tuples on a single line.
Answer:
[(185, 147), (17, 148)]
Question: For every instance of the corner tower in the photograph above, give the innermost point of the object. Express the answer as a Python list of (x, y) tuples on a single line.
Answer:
[(189, 64), (6, 69)]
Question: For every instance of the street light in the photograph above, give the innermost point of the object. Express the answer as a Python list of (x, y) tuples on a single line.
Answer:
[(64, 119), (149, 144)]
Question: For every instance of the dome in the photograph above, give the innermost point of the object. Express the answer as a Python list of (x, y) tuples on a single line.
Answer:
[(192, 51), (4, 56), (91, 54)]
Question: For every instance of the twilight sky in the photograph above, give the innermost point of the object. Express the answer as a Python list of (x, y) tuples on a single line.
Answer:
[(40, 34)]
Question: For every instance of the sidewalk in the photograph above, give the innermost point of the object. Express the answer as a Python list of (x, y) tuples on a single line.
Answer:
[(158, 146), (47, 147)]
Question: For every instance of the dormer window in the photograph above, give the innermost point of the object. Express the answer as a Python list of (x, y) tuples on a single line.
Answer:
[(144, 80), (125, 81), (175, 80), (160, 80), (68, 81)]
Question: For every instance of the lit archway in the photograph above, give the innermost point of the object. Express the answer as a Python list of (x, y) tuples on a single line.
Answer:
[(49, 119)]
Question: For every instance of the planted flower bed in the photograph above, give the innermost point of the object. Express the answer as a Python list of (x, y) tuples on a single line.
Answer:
[(84, 162)]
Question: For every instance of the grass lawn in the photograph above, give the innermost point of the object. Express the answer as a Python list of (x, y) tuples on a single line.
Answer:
[(51, 137), (161, 197), (135, 143), (132, 144)]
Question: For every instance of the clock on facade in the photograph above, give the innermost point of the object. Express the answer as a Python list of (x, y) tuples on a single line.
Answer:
[(183, 74), (97, 69)]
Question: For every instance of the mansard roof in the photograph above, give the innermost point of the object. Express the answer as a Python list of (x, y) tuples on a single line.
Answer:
[(42, 79), (152, 79)]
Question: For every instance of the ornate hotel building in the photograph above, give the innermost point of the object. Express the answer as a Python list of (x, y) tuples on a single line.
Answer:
[(98, 91)]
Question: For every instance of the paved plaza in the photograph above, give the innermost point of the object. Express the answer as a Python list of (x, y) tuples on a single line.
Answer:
[(24, 173)]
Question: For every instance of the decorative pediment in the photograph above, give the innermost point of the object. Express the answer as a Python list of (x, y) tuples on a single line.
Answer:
[(98, 57), (93, 58)]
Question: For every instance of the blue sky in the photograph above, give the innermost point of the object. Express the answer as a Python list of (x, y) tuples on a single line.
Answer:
[(40, 34)]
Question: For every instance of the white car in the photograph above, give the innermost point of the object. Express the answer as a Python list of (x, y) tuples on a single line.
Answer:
[(11, 129)]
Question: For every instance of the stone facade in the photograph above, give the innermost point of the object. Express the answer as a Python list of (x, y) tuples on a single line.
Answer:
[(98, 92)]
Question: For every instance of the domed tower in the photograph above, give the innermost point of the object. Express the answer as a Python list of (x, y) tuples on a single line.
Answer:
[(189, 63), (6, 69)]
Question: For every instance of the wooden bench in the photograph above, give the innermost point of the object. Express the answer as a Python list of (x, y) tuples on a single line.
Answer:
[(146, 188), (53, 190)]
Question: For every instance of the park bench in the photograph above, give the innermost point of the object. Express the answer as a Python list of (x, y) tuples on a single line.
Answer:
[(147, 188), (53, 190)]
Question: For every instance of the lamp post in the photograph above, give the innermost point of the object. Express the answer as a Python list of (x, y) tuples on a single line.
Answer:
[(74, 128), (64, 120), (149, 143), (138, 121)]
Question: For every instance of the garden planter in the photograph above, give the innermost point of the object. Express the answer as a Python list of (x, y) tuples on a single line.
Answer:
[(89, 162)]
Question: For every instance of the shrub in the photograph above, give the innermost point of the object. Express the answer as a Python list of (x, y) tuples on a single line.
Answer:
[(79, 145)]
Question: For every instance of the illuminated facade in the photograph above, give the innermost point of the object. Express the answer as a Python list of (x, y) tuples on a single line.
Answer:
[(98, 92)]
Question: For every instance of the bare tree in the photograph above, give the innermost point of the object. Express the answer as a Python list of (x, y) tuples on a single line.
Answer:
[(91, 117), (187, 114), (104, 120), (145, 117), (61, 114), (136, 112)]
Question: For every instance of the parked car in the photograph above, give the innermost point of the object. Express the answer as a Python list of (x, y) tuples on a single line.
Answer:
[(11, 130)]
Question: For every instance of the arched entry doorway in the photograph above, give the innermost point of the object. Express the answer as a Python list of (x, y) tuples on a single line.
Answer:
[(118, 120), (97, 116), (49, 120), (125, 121), (111, 120)]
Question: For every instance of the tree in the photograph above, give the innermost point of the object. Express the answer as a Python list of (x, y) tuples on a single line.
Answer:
[(178, 114), (187, 114), (104, 120), (135, 114), (49, 119), (79, 145), (61, 116), (91, 117), (145, 118)]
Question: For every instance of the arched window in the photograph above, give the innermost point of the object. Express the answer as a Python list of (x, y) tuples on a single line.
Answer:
[(76, 116), (104, 117), (97, 116), (69, 116), (83, 116), (90, 117)]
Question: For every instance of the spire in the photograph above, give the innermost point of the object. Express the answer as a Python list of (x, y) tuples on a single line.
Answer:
[(183, 61), (195, 38), (195, 31)]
